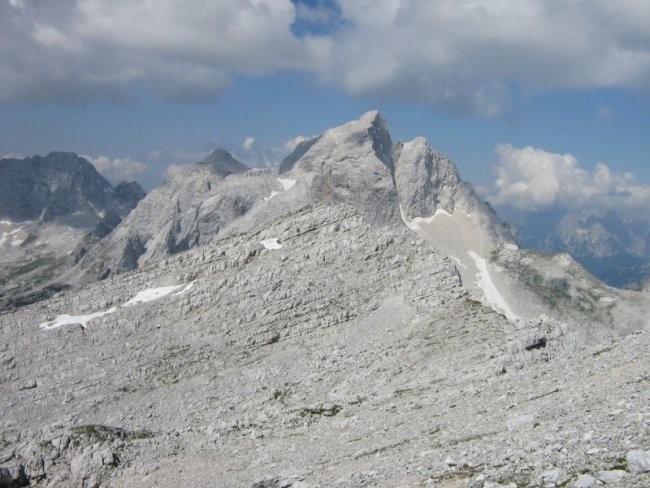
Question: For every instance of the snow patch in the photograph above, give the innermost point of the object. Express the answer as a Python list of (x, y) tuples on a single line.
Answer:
[(271, 243), (143, 296), (151, 294), (414, 223), (82, 320), (607, 299), (187, 288), (11, 236), (510, 247), (273, 194), (286, 183), (492, 295)]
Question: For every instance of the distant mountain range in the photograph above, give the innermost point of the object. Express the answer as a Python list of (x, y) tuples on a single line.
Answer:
[(52, 209), (615, 249)]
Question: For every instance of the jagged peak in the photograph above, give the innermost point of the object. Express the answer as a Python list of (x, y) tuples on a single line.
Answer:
[(371, 126), (368, 121), (371, 117), (419, 142), (222, 162)]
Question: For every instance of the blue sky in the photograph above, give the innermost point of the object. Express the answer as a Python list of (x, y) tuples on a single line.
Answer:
[(142, 88)]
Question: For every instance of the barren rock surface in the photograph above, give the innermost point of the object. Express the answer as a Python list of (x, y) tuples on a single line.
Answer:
[(303, 336), (350, 356)]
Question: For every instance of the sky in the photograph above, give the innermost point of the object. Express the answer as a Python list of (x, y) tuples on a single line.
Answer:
[(539, 102)]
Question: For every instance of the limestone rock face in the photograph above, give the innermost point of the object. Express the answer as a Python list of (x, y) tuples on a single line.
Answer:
[(169, 219), (351, 163), (428, 182)]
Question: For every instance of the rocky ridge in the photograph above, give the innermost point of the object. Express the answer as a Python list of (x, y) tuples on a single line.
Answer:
[(313, 339), (290, 366)]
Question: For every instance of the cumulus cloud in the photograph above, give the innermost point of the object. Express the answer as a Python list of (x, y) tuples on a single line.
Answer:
[(186, 50), (248, 144), (463, 56), (118, 169), (13, 156), (533, 179)]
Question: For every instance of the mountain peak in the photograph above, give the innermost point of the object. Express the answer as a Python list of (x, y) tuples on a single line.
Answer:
[(223, 163), (367, 135), (371, 117)]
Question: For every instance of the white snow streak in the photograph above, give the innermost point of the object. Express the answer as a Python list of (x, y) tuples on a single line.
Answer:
[(492, 295), (143, 296), (271, 243), (82, 320), (151, 294), (414, 224), (273, 194), (286, 183), (187, 288), (10, 236)]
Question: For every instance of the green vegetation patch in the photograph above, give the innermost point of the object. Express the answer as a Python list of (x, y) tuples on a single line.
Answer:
[(322, 411)]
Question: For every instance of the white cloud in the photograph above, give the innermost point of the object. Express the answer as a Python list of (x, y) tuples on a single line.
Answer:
[(13, 156), (72, 49), (118, 169), (533, 179), (459, 55), (249, 143)]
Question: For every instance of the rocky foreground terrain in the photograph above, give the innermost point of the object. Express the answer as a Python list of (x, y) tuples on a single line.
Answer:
[(330, 344)]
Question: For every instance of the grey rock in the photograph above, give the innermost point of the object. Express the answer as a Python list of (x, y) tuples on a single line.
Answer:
[(584, 481), (27, 385), (611, 476), (520, 422), (638, 461), (550, 478)]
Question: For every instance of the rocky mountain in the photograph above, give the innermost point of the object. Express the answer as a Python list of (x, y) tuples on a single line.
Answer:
[(613, 248), (51, 208), (304, 336), (60, 186), (197, 205)]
